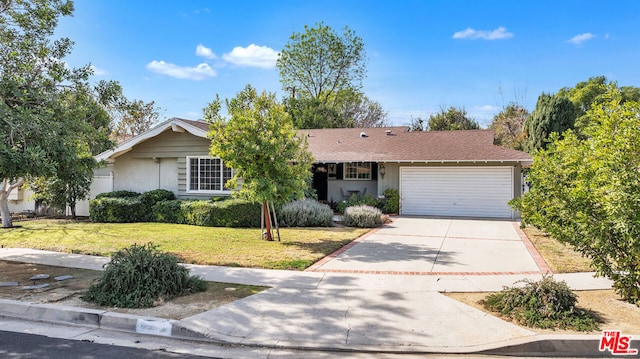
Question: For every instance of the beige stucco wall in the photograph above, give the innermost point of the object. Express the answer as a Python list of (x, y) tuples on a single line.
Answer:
[(20, 200), (159, 162)]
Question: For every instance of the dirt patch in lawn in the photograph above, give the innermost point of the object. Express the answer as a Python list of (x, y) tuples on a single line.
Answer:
[(68, 292), (616, 313)]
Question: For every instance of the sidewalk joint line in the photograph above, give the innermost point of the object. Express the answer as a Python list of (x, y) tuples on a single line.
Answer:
[(444, 238)]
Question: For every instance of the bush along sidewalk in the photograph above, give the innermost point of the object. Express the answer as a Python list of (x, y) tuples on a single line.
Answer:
[(545, 304), (142, 277)]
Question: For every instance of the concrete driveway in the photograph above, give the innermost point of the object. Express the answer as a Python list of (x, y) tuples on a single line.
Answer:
[(412, 245)]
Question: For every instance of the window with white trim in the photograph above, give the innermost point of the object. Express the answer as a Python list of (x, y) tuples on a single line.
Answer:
[(357, 171), (206, 174)]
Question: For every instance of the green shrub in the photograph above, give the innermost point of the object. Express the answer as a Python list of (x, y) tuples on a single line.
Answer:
[(197, 213), (157, 195), (150, 198), (392, 201), (117, 210), (356, 200), (118, 194), (305, 213), (141, 277), (225, 213), (362, 216), (546, 304), (236, 213), (168, 212)]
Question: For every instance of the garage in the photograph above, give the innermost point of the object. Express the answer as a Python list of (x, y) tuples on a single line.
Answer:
[(456, 191)]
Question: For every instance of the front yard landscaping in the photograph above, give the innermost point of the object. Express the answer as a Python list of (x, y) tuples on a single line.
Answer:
[(606, 305), (243, 247)]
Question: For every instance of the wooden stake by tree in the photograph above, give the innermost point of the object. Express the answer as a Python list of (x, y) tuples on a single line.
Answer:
[(258, 141)]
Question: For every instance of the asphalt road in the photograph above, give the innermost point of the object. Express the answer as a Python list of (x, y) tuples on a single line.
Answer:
[(27, 346)]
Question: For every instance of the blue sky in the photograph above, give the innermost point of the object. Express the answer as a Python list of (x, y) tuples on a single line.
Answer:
[(422, 55)]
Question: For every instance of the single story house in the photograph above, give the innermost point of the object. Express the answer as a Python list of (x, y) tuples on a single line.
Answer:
[(446, 173)]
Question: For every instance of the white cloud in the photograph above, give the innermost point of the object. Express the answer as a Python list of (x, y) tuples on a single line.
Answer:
[(580, 38), (485, 108), (200, 72), (205, 52), (252, 56), (500, 33), (98, 71)]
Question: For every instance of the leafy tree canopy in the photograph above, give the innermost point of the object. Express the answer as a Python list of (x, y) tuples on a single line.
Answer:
[(132, 117), (318, 62), (586, 191), (594, 91), (258, 141), (324, 71), (41, 98), (451, 119), (553, 114), (346, 109), (508, 126)]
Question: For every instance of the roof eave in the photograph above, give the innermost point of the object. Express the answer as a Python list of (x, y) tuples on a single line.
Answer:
[(175, 124)]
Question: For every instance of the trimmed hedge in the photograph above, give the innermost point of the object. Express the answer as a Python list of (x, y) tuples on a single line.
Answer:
[(126, 206), (161, 206), (118, 194), (157, 195), (227, 213), (168, 212), (117, 210)]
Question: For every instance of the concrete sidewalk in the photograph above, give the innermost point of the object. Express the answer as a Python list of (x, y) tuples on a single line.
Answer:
[(333, 311)]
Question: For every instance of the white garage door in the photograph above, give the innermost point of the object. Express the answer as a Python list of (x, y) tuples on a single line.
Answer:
[(456, 191)]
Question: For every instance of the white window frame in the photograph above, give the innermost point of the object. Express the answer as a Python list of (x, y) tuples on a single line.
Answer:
[(222, 190), (359, 165)]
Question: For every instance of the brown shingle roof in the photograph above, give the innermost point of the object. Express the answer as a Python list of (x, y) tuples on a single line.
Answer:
[(199, 123), (347, 145)]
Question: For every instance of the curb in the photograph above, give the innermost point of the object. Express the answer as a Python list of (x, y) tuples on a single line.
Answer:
[(538, 345), (97, 319)]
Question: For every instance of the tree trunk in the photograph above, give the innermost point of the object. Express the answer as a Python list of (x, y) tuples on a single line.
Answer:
[(267, 220), (4, 200), (72, 207), (4, 211), (275, 218)]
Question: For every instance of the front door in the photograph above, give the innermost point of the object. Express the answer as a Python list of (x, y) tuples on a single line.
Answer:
[(320, 181)]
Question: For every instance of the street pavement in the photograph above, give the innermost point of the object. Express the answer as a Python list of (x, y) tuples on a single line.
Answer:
[(383, 293)]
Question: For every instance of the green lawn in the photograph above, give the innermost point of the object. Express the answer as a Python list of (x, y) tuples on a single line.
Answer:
[(299, 248)]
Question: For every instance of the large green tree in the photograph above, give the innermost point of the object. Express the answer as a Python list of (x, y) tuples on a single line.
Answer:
[(132, 117), (323, 71), (553, 114), (346, 109), (594, 91), (586, 192), (85, 135), (259, 142), (35, 125), (508, 126), (451, 119)]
